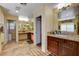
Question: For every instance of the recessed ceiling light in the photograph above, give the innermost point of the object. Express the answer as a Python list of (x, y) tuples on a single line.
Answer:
[(17, 11)]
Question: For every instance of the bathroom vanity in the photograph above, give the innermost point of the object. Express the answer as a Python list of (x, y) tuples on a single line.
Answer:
[(63, 45)]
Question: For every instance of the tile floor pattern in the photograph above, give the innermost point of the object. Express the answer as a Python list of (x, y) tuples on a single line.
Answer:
[(22, 49)]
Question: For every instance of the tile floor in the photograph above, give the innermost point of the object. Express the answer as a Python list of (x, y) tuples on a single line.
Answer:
[(22, 49)]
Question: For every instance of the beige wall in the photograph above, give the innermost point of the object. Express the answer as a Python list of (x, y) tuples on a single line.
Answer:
[(76, 24), (49, 23), (51, 19), (37, 13), (1, 24), (6, 16), (11, 17), (1, 16)]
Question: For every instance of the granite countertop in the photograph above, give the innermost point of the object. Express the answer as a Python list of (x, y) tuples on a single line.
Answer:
[(24, 32), (67, 37)]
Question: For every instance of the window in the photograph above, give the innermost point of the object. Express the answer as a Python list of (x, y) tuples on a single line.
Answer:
[(69, 27), (12, 25), (63, 27)]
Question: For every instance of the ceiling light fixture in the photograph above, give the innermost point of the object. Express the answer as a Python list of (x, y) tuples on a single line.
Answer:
[(17, 11), (22, 18)]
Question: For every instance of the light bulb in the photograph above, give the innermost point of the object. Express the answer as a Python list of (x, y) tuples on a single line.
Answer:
[(17, 11)]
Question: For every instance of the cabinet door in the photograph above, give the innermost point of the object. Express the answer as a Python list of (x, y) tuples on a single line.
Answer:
[(53, 45), (68, 48), (78, 28), (78, 49), (67, 51), (60, 47), (48, 42)]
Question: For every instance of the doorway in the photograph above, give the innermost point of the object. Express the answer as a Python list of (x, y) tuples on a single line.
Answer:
[(11, 30), (39, 31)]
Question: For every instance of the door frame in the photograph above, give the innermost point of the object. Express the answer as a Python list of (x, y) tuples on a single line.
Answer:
[(39, 21)]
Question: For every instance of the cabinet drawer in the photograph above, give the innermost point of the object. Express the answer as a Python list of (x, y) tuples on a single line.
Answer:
[(70, 43), (67, 48), (66, 51)]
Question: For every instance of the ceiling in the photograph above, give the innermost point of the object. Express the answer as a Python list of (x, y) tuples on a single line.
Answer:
[(26, 10)]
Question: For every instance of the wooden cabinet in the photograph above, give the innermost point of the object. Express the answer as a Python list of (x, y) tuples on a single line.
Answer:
[(62, 47), (67, 48), (22, 36), (78, 49), (53, 45), (78, 27)]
